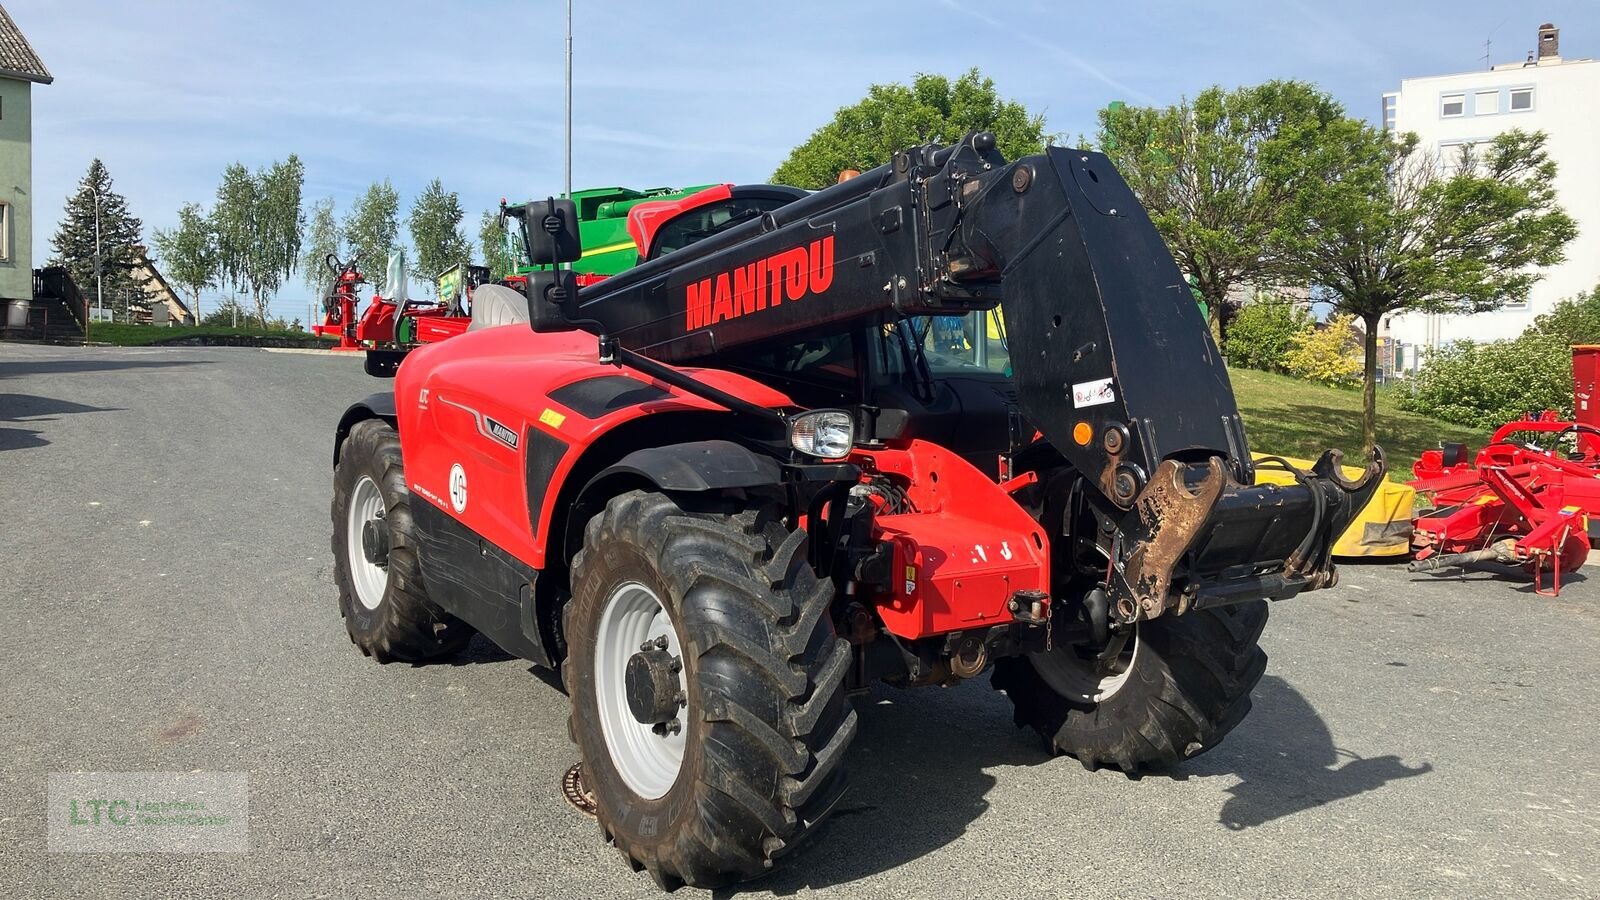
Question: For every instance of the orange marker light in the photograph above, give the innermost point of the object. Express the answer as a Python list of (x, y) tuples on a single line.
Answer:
[(1082, 433)]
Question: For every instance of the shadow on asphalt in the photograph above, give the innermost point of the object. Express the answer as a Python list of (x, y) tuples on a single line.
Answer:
[(1288, 763), (916, 784), (20, 439), (29, 408), (1515, 575), (13, 368)]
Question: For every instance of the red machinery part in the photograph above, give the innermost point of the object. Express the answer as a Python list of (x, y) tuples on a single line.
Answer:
[(1516, 502), (964, 550)]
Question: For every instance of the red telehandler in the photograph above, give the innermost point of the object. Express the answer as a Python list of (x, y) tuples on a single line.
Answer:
[(763, 469)]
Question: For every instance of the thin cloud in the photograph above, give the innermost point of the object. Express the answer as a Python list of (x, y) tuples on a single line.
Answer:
[(1058, 51)]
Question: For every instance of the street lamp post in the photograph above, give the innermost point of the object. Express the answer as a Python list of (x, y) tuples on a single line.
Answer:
[(568, 98)]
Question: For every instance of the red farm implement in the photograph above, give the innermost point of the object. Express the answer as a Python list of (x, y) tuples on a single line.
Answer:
[(390, 324), (1527, 497)]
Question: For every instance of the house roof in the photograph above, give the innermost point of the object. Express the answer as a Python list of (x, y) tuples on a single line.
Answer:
[(17, 59), (149, 265)]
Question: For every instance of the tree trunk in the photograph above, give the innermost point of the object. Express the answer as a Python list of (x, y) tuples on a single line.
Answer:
[(195, 309), (1369, 386), (1225, 312)]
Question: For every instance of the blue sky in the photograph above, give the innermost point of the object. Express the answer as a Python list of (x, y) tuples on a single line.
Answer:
[(167, 93)]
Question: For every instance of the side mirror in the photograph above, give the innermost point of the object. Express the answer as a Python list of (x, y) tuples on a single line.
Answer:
[(552, 300), (551, 227)]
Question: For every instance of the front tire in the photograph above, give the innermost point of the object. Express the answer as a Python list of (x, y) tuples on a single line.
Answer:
[(382, 597), (1184, 684), (761, 718)]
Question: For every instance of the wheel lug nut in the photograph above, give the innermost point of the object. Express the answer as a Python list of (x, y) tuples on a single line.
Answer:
[(676, 665), (661, 642)]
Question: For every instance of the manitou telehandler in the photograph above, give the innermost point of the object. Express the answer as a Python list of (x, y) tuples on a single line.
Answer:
[(785, 456)]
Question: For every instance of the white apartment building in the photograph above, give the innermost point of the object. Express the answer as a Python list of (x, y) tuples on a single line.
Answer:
[(1548, 93)]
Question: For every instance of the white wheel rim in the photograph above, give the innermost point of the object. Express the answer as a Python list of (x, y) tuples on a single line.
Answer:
[(368, 578), (1078, 679), (648, 761)]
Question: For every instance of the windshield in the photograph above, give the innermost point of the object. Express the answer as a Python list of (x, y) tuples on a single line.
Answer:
[(951, 345)]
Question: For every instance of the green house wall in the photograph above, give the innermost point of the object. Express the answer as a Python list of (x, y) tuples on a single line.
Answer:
[(16, 187)]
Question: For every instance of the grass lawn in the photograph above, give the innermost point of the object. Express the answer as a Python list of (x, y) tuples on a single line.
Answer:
[(1292, 417), (124, 335)]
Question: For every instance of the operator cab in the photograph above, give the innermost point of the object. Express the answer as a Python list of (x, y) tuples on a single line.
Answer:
[(945, 379)]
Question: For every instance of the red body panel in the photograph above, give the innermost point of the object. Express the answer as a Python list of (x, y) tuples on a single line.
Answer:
[(960, 555), (963, 553), (506, 374)]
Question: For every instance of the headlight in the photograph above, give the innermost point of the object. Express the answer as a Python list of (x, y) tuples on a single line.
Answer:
[(827, 433)]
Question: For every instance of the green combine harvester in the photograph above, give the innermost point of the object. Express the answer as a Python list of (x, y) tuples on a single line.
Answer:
[(603, 227)]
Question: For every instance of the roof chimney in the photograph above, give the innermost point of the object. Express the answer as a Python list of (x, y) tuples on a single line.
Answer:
[(1549, 42)]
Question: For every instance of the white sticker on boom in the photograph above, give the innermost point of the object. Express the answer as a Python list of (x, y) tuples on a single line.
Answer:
[(1092, 393)]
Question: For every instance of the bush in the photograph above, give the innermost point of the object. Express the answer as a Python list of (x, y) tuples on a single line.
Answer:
[(1330, 354), (1262, 334), (1487, 385)]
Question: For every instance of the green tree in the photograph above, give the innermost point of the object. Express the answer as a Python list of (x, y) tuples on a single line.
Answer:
[(1575, 320), (258, 224), (373, 225), (323, 239), (492, 238), (1263, 333), (1216, 175), (893, 117), (1395, 228), (435, 224), (188, 253), (117, 238)]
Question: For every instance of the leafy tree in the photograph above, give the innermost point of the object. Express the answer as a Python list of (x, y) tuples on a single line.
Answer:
[(230, 313), (435, 223), (893, 117), (1263, 333), (1216, 175), (74, 244), (1575, 320), (1330, 354), (322, 240), (1395, 228), (258, 223), (371, 228), (492, 238), (189, 253)]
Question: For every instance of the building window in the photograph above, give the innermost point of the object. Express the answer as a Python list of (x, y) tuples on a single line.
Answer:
[(1485, 103), (1521, 99), (1452, 105), (1391, 111), (5, 232)]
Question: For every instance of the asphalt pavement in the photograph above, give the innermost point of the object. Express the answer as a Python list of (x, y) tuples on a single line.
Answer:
[(168, 605)]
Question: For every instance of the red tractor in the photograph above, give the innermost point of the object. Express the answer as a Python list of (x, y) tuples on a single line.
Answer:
[(792, 453)]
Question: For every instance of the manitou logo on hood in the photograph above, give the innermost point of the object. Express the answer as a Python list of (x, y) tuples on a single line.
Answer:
[(789, 275)]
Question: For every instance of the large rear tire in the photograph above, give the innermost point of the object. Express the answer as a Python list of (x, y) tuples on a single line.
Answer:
[(743, 758), (1184, 683), (382, 597)]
